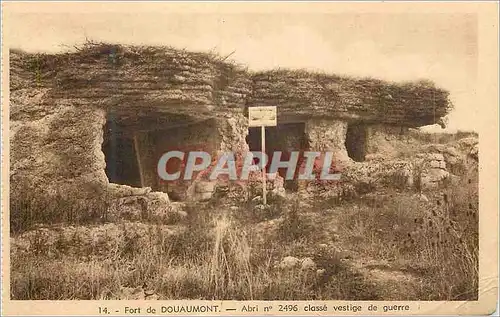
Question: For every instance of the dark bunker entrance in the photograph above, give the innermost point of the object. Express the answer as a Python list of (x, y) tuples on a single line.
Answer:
[(286, 138), (355, 142), (121, 158), (134, 144)]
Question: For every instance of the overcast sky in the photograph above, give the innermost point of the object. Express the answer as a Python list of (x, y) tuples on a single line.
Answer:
[(440, 47)]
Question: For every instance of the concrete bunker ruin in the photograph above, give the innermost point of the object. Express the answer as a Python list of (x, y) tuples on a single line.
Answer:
[(102, 117)]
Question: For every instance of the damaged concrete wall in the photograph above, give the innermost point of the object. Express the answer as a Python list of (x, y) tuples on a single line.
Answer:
[(55, 148)]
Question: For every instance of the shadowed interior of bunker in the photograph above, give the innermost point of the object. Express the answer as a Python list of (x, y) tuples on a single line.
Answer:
[(132, 148), (285, 138), (120, 155), (355, 141)]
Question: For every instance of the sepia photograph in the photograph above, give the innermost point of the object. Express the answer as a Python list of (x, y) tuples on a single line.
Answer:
[(162, 154)]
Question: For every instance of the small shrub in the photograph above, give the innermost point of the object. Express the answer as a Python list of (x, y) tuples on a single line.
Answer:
[(294, 226)]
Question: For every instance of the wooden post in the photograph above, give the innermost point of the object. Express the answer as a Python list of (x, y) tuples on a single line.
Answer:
[(138, 157), (262, 117), (264, 189)]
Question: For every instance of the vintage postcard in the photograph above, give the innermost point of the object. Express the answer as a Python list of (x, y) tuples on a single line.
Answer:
[(261, 158)]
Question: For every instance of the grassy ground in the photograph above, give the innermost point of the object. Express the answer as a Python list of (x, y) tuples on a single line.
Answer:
[(394, 244), (389, 246)]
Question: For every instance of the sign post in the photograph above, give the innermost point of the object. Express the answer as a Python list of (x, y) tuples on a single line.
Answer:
[(263, 117), (264, 185)]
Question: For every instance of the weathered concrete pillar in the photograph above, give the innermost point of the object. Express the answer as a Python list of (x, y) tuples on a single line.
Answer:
[(232, 132), (328, 135)]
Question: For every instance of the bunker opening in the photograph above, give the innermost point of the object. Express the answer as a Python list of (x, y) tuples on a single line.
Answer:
[(120, 154), (285, 138), (355, 142), (134, 145)]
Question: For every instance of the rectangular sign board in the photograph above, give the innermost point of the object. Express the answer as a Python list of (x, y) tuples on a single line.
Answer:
[(262, 116)]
